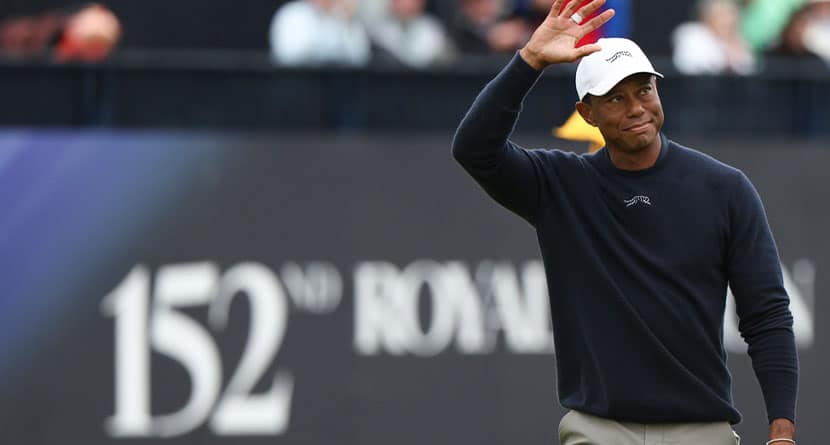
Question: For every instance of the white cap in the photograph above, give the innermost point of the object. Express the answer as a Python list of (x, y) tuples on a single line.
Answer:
[(619, 58)]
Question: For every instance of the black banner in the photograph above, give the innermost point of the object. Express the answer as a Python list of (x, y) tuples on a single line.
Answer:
[(210, 288)]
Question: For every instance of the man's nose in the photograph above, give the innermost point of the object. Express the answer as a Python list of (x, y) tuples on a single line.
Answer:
[(635, 108)]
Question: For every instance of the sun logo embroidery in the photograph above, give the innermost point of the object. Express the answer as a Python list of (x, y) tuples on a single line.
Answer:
[(637, 199)]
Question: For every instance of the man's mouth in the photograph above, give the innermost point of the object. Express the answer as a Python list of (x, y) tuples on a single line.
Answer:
[(636, 128)]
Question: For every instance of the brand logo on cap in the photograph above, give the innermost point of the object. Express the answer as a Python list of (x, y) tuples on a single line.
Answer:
[(617, 55)]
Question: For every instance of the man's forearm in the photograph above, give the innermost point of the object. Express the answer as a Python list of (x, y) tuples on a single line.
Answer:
[(775, 361), (480, 138)]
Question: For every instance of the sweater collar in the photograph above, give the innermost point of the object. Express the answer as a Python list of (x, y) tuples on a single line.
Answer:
[(603, 159)]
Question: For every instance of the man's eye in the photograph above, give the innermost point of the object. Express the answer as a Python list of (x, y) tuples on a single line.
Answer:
[(616, 99)]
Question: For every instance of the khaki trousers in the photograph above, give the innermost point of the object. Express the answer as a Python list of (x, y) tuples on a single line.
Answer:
[(578, 428)]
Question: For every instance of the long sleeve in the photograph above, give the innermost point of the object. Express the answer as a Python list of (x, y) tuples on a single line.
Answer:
[(762, 303), (507, 172)]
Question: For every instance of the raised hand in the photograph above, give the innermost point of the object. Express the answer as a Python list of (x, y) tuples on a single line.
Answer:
[(554, 41)]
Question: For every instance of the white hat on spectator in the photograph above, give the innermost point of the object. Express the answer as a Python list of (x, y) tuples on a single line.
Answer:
[(619, 58)]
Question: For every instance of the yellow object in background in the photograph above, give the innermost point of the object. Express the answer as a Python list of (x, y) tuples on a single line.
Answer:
[(576, 129)]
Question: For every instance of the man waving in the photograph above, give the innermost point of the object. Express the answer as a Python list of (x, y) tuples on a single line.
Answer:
[(640, 241)]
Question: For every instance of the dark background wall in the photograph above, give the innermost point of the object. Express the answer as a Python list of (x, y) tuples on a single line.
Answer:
[(403, 336)]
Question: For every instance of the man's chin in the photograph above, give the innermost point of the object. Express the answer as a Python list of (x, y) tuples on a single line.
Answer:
[(640, 143)]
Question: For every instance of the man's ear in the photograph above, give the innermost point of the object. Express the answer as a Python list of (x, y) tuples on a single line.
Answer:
[(584, 110)]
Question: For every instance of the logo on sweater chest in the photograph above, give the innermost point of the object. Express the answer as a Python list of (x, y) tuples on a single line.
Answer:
[(639, 199)]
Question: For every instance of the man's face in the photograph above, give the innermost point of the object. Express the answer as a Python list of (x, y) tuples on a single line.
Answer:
[(629, 116)]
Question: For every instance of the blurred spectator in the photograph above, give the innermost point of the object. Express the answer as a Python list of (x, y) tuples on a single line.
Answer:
[(319, 32), (762, 21), (482, 26), (713, 44), (808, 32), (88, 33), (533, 11), (372, 11), (411, 36)]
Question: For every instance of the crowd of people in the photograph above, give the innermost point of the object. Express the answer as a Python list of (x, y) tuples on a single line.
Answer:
[(723, 36), (729, 36), (350, 33)]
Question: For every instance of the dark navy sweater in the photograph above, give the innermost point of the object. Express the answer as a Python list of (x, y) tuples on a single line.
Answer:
[(638, 264)]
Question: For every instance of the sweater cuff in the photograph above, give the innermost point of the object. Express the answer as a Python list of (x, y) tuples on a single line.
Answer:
[(524, 66), (515, 81)]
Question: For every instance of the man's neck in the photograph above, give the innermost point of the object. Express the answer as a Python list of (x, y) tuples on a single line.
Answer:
[(637, 160)]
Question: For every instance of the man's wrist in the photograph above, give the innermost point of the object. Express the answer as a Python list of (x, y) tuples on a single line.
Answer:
[(531, 59), (781, 428)]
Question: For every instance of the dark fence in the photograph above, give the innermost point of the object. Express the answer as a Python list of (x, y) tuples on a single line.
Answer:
[(232, 90)]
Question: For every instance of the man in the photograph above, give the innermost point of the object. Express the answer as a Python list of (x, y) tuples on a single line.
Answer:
[(639, 242)]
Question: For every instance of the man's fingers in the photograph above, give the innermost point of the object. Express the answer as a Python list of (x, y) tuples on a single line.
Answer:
[(584, 50), (589, 9), (555, 8), (596, 22), (570, 8)]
